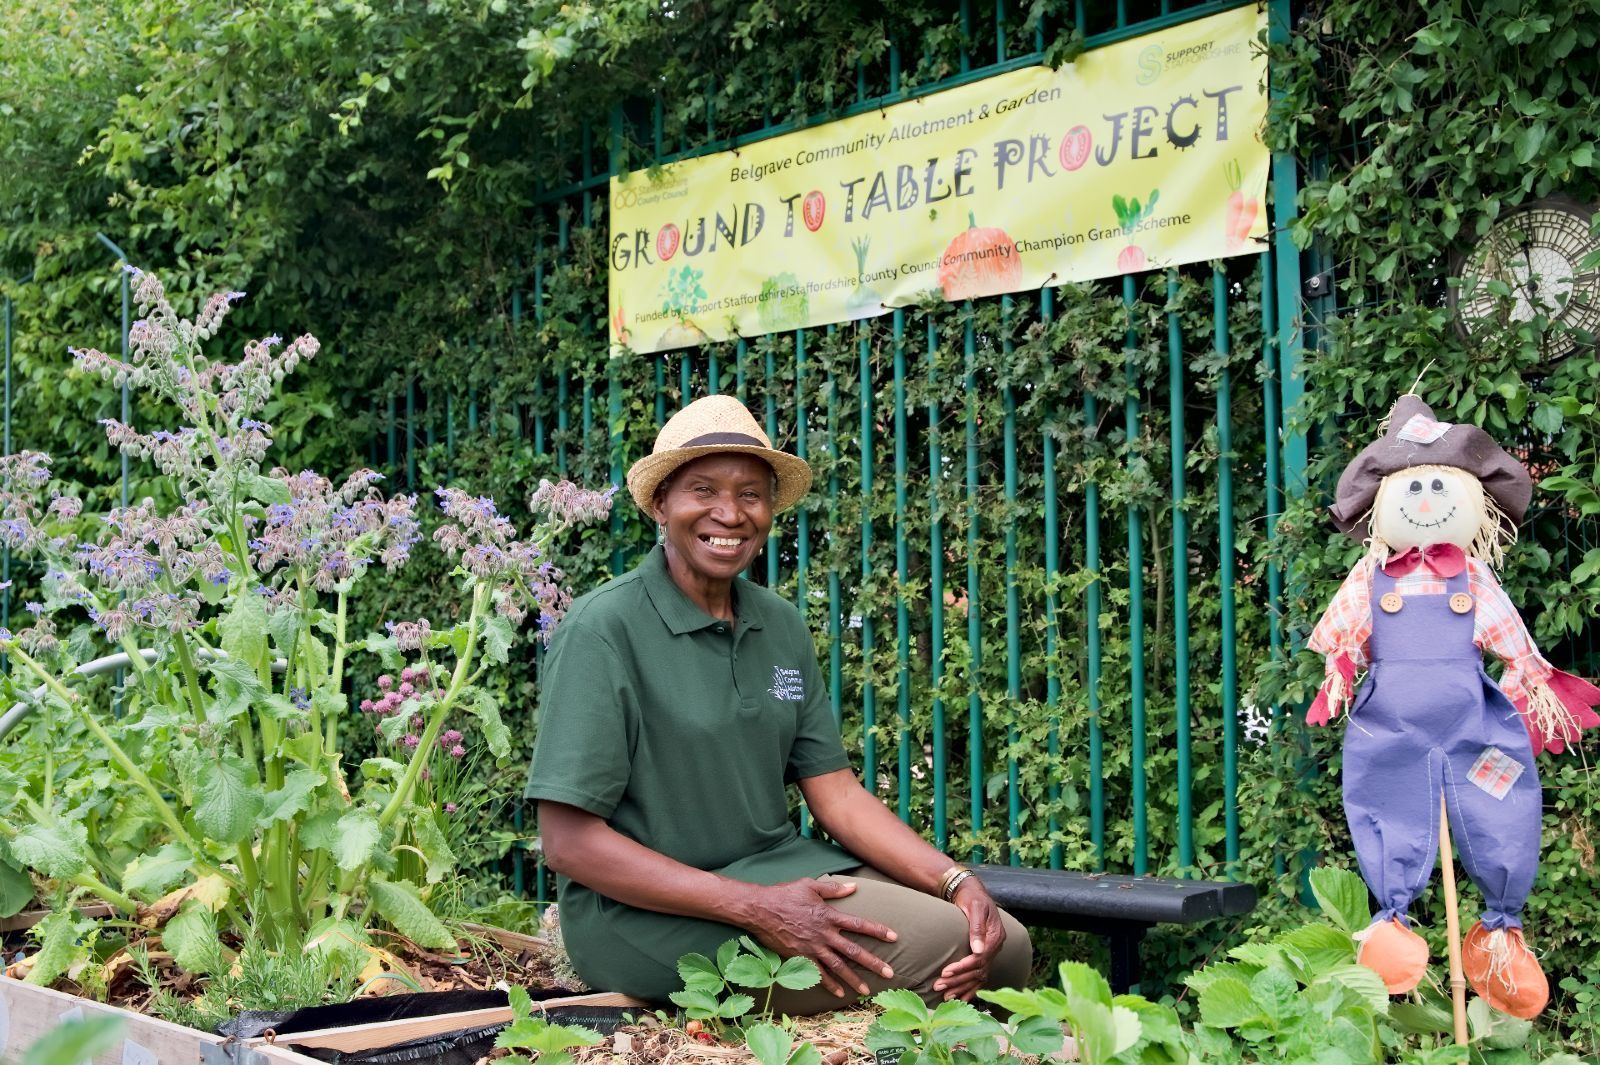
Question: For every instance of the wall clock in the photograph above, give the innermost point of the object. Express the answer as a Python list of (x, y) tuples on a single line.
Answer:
[(1537, 251)]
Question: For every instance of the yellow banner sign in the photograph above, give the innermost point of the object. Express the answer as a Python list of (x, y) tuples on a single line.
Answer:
[(1139, 155)]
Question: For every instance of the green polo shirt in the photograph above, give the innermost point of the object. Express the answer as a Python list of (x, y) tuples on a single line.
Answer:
[(682, 731)]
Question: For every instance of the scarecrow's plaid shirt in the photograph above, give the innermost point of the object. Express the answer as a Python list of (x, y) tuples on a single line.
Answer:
[(1496, 626)]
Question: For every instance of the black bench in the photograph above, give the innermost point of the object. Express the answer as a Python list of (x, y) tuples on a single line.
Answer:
[(1120, 908)]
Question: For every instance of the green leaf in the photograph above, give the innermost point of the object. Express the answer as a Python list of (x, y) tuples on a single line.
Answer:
[(1319, 946), (441, 860), (769, 1043), (798, 974), (495, 733), (397, 903), (1037, 1035), (1274, 991), (57, 850), (748, 972), (226, 801), (235, 690), (294, 798), (76, 1042), (698, 1004), (699, 974), (60, 947), (16, 889), (268, 490), (244, 628), (153, 875), (735, 1006), (902, 1010), (1343, 898), (805, 1054), (1227, 1003), (1529, 142), (1424, 1018), (725, 954), (357, 838), (1366, 984), (1082, 982), (191, 936), (498, 636)]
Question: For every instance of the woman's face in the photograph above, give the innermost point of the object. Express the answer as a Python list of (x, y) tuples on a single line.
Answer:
[(1428, 505), (717, 512)]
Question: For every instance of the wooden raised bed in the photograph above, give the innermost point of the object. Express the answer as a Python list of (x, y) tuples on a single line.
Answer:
[(28, 1012)]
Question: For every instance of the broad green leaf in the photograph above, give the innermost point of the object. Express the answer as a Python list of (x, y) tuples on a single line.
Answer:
[(1127, 1026), (191, 936), (1274, 991), (1037, 1035), (1081, 982), (436, 852), (397, 725), (341, 940), (805, 1054), (798, 974), (699, 974), (59, 937), (226, 801), (520, 1001), (1320, 946), (495, 733), (356, 839), (152, 875), (384, 647), (1020, 1004), (16, 889), (902, 1010), (76, 1042), (235, 690), (306, 748), (1095, 1029), (57, 850), (267, 490), (294, 798), (769, 1043), (735, 1006), (283, 624), (498, 636), (1363, 982), (397, 903), (244, 628), (748, 972), (1421, 1017), (1343, 898), (725, 954), (384, 769), (537, 1034), (698, 1004), (1227, 1003)]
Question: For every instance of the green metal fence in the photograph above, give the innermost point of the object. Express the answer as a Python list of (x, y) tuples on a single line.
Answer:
[(964, 619)]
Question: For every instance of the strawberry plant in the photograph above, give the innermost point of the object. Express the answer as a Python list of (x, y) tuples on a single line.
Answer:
[(552, 1043), (229, 811), (713, 990)]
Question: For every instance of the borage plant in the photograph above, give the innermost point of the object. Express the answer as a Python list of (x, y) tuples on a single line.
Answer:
[(221, 797)]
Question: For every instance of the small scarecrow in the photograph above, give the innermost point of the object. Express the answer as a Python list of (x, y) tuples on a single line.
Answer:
[(1437, 503)]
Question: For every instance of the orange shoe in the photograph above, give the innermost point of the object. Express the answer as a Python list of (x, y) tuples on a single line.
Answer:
[(1395, 953), (1504, 972)]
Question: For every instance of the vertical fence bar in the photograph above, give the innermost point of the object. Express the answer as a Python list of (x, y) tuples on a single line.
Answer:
[(5, 554), (411, 434), (661, 389), (713, 374), (739, 351), (614, 440), (563, 415), (393, 438), (974, 622), (1091, 611), (1130, 408), (835, 590), (1052, 607), (802, 513), (1180, 575), (1271, 414), (869, 694), (685, 379), (902, 570), (1013, 593), (941, 757), (1225, 574), (769, 374)]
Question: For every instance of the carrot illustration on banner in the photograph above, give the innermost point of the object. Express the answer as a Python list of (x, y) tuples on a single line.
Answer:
[(980, 262), (1242, 209), (1129, 215)]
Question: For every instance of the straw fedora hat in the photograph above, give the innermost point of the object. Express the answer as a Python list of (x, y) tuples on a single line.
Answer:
[(711, 426)]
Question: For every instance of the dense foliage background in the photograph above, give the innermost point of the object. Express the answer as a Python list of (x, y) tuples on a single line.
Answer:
[(391, 178)]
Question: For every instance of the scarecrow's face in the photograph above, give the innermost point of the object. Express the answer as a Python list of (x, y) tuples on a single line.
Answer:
[(1428, 505)]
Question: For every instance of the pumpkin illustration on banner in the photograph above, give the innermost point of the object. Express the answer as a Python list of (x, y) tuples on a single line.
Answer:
[(1437, 503), (980, 261)]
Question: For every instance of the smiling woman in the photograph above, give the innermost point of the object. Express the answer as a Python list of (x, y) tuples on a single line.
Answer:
[(678, 703)]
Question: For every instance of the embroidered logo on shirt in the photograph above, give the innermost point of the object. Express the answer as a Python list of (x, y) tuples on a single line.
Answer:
[(787, 685), (1423, 429), (1495, 772)]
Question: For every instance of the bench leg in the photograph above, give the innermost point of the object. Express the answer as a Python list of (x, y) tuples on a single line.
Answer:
[(1124, 943)]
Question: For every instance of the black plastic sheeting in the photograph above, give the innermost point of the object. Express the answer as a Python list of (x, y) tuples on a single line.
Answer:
[(449, 1048)]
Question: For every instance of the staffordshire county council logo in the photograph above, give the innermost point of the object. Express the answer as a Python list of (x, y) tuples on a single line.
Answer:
[(787, 685), (1149, 64)]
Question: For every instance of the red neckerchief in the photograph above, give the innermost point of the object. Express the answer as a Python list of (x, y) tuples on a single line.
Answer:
[(1446, 560)]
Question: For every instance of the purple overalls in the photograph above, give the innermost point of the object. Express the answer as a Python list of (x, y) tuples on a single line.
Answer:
[(1428, 717)]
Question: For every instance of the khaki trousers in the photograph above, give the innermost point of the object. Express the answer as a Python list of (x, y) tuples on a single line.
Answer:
[(932, 934)]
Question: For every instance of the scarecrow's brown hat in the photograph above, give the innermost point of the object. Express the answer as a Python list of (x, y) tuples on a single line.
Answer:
[(1416, 438), (710, 426)]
